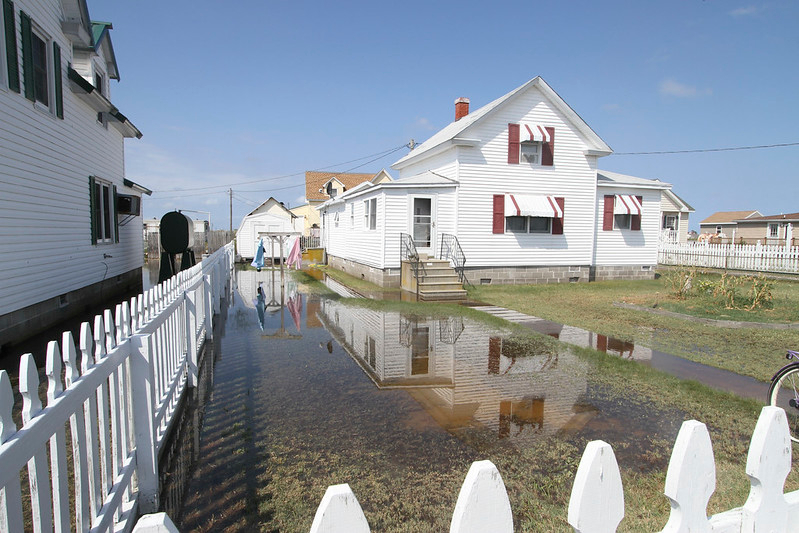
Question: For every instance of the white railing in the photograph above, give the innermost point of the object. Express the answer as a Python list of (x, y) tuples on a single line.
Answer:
[(751, 257), (124, 380), (597, 498)]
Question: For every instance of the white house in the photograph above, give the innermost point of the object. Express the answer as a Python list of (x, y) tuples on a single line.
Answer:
[(269, 218), (70, 221), (516, 183)]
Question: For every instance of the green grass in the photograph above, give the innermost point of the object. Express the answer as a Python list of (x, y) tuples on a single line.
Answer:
[(748, 351)]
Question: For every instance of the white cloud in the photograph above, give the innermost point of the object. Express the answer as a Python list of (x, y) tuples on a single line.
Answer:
[(744, 11), (671, 87), (424, 123)]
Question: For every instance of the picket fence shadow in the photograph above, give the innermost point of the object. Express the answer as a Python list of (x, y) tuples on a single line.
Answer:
[(124, 382), (597, 498)]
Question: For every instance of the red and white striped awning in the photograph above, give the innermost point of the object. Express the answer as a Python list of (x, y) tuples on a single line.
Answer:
[(626, 204), (533, 132), (521, 205)]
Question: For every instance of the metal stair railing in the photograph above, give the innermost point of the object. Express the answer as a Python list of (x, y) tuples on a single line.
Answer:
[(408, 253), (451, 250)]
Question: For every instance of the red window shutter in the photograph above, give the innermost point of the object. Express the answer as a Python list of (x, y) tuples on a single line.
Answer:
[(548, 149), (635, 220), (494, 354), (499, 213), (557, 223), (513, 144), (607, 214)]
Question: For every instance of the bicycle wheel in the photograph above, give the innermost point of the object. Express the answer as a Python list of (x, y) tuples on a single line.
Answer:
[(784, 392)]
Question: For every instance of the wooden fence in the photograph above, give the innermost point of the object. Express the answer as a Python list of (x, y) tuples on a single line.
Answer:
[(597, 498), (749, 257), (96, 441)]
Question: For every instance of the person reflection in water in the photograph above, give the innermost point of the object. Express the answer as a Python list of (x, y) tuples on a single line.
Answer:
[(260, 306)]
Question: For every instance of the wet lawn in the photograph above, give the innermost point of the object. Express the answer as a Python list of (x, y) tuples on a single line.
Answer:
[(748, 351), (397, 399)]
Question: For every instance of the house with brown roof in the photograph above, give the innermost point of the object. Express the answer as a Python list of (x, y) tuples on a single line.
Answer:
[(725, 222), (322, 186), (771, 229)]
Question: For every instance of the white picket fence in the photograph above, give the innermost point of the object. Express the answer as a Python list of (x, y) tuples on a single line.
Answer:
[(750, 257), (597, 498), (124, 381)]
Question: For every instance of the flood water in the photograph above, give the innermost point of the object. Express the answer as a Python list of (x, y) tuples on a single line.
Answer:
[(310, 391)]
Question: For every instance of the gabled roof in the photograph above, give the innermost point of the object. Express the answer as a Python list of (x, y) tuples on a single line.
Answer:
[(679, 202), (729, 217), (788, 217), (275, 202), (605, 178), (454, 130), (314, 181), (102, 39)]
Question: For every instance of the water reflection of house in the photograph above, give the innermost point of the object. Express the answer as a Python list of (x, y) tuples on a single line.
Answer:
[(586, 339), (464, 374)]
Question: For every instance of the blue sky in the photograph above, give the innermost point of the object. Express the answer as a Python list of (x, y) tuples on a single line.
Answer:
[(240, 94)]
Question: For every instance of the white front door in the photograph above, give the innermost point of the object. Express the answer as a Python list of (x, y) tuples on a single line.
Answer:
[(423, 225)]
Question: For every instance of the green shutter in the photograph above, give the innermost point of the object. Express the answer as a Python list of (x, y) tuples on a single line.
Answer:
[(114, 214), (11, 45), (92, 201), (59, 93), (27, 55)]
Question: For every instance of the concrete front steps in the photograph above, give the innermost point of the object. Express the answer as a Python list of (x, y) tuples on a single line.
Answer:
[(439, 282)]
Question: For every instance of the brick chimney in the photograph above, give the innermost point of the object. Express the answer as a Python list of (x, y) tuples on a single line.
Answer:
[(461, 108)]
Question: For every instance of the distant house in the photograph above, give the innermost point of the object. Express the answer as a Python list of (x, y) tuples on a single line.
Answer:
[(771, 229), (269, 218), (725, 222), (675, 216), (322, 186), (70, 219), (516, 183)]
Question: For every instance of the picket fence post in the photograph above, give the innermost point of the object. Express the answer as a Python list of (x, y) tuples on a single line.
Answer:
[(597, 499), (191, 338), (483, 503), (339, 512), (209, 310), (143, 397)]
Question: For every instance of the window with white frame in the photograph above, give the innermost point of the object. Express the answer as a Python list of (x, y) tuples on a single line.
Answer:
[(41, 83), (517, 224), (773, 231), (370, 213), (670, 222), (530, 152), (622, 221), (103, 208)]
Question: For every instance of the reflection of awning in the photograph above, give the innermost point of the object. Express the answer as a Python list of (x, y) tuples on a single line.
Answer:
[(533, 132), (626, 204), (520, 205)]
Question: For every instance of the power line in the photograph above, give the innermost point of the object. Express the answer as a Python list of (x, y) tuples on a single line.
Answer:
[(379, 155), (704, 150)]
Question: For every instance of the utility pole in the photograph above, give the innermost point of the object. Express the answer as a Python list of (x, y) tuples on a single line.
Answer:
[(230, 192)]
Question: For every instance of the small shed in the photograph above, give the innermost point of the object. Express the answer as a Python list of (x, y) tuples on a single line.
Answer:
[(269, 218)]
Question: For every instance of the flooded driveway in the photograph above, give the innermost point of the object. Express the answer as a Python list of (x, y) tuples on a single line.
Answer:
[(310, 391)]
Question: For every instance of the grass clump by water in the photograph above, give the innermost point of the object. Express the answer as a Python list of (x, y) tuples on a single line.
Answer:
[(748, 351)]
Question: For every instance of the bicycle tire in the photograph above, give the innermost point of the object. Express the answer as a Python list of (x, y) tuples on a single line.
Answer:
[(784, 388)]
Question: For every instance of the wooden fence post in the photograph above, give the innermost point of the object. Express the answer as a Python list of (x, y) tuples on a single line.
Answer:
[(483, 503), (143, 395), (339, 512), (191, 338), (209, 310)]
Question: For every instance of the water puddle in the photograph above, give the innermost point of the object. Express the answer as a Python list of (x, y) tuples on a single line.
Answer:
[(677, 366), (310, 391)]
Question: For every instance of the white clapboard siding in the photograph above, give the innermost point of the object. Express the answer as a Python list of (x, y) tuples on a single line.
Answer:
[(45, 164), (625, 246), (123, 383), (597, 499)]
